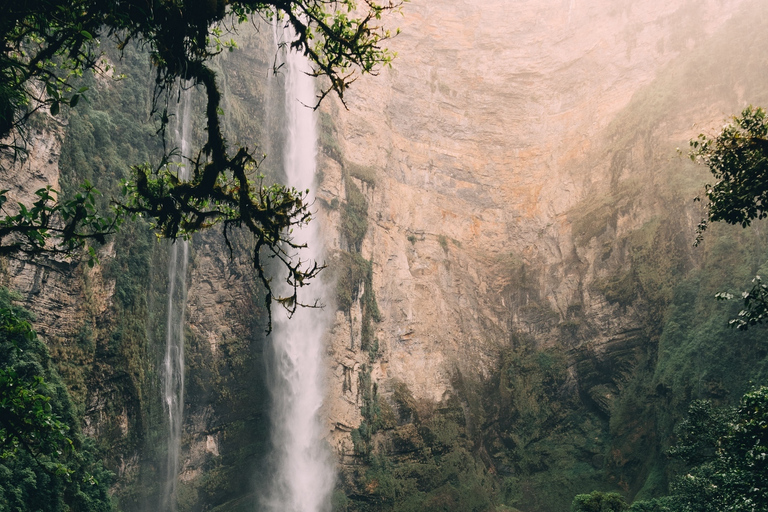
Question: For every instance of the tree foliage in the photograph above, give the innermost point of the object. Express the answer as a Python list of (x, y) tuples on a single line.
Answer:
[(597, 501), (738, 160), (47, 43), (53, 226), (45, 462), (725, 453), (755, 310), (728, 456)]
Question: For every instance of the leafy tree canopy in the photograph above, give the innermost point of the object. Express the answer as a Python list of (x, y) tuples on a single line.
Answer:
[(597, 501), (738, 160), (46, 463), (44, 44), (727, 455), (724, 452)]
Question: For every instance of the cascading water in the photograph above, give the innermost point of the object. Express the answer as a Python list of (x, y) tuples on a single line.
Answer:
[(304, 470), (173, 361)]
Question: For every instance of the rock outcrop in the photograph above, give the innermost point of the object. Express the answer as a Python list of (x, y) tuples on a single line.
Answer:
[(512, 151)]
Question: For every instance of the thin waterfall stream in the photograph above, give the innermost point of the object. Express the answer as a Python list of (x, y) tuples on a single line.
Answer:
[(304, 471), (173, 360)]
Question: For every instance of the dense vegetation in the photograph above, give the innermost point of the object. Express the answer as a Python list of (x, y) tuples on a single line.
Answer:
[(738, 160), (46, 463), (723, 463)]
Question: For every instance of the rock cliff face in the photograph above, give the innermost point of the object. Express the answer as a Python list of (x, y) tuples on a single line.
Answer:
[(512, 154), (105, 326), (485, 136), (508, 226)]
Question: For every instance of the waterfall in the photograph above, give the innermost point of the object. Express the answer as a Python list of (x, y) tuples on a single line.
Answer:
[(173, 361), (304, 471)]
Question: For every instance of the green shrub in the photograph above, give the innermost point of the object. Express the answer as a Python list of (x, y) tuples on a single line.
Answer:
[(46, 464), (597, 501), (364, 173), (352, 273)]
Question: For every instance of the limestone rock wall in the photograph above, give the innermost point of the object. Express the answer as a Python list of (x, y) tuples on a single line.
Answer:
[(490, 136)]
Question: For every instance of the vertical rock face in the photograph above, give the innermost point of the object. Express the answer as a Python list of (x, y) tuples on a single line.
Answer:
[(493, 144), (507, 184), (481, 135), (21, 177)]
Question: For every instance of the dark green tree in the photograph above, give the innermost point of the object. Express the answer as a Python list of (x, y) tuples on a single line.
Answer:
[(597, 501), (738, 160), (46, 463), (725, 453)]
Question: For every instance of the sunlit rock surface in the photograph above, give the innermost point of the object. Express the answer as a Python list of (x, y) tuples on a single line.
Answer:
[(493, 128)]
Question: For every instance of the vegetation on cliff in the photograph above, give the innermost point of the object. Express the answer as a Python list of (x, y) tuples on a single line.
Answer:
[(722, 454), (46, 463), (738, 159)]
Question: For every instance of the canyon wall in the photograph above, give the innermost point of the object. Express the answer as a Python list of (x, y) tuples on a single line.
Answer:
[(524, 191), (509, 225), (488, 132)]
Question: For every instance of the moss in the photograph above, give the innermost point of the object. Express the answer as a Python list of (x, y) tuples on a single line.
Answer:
[(328, 138), (371, 412), (406, 404), (618, 289), (354, 216), (339, 501), (352, 273), (598, 215), (539, 313), (371, 314), (427, 464), (364, 173)]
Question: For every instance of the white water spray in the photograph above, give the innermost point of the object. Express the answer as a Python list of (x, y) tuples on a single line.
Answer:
[(304, 470), (173, 361)]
